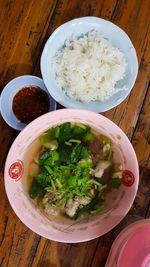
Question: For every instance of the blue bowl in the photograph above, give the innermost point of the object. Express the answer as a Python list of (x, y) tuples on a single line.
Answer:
[(78, 27), (10, 91)]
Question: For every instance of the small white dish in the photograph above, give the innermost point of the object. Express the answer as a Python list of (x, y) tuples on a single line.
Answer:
[(10, 91), (78, 27)]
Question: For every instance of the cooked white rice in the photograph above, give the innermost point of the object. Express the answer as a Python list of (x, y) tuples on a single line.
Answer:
[(88, 68)]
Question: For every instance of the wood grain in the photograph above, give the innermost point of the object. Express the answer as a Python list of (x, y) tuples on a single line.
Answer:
[(21, 27), (20, 46), (24, 28), (141, 141), (124, 16), (22, 35)]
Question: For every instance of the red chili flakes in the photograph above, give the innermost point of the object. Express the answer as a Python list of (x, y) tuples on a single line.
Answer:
[(30, 103)]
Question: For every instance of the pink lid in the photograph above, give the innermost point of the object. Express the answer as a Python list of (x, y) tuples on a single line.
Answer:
[(136, 251), (132, 246)]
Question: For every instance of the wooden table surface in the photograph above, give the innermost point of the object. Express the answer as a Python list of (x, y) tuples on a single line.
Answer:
[(25, 25)]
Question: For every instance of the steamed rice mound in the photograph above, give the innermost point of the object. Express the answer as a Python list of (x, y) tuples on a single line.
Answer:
[(88, 68)]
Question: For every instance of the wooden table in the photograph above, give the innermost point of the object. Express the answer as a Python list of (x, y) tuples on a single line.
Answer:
[(25, 25)]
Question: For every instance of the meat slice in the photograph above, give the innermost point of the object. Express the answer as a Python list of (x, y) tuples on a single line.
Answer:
[(94, 146), (101, 167)]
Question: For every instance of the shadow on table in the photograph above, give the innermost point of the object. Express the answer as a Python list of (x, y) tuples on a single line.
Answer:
[(47, 263), (14, 71)]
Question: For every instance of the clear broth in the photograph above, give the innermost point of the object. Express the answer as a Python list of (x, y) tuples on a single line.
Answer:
[(111, 198)]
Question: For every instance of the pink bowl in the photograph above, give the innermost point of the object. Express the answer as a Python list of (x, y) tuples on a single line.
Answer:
[(132, 247), (78, 231)]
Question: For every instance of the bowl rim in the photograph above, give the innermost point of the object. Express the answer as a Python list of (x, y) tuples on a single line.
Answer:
[(53, 104), (30, 127), (74, 103)]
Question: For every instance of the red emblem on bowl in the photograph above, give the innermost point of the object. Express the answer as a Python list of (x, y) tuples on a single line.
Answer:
[(16, 170), (128, 178)]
